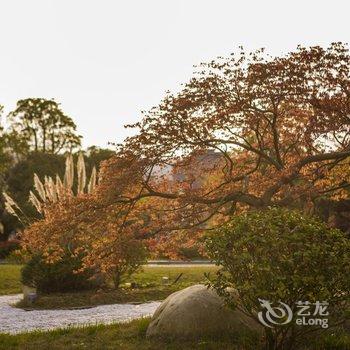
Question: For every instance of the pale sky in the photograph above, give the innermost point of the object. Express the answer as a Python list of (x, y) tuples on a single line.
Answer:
[(106, 60)]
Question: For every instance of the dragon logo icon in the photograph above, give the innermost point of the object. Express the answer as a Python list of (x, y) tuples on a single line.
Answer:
[(277, 315)]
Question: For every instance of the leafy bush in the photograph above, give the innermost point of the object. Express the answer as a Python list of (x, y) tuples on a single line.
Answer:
[(60, 276), (18, 257), (6, 247), (280, 255)]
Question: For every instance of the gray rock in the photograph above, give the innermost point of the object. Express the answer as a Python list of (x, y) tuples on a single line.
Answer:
[(28, 290), (198, 312)]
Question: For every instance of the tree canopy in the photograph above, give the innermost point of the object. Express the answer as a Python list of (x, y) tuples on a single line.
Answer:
[(36, 136), (247, 131), (44, 126), (279, 125)]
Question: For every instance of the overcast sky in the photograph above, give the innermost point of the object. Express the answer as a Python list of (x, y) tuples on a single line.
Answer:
[(106, 60)]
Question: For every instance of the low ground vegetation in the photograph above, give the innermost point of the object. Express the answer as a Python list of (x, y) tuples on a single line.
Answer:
[(7, 247), (131, 336), (59, 276), (147, 284), (10, 276), (150, 283)]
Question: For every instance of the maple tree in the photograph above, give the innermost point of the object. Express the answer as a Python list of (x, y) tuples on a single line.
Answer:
[(74, 224), (246, 131), (79, 226)]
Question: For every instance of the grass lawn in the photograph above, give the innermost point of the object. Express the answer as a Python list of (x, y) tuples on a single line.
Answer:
[(125, 336), (131, 336), (149, 286), (10, 279)]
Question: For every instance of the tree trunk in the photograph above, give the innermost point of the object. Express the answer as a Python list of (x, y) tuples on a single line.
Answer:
[(44, 140), (116, 279)]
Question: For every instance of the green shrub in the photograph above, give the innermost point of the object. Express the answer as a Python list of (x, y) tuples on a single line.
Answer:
[(190, 253), (281, 256), (60, 276), (18, 257), (7, 247)]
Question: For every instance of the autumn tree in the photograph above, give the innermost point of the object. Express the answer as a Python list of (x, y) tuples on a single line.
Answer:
[(73, 227), (43, 125), (279, 126), (248, 131)]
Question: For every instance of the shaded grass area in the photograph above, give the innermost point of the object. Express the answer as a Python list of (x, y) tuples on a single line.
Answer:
[(10, 279), (149, 285), (124, 336), (131, 336)]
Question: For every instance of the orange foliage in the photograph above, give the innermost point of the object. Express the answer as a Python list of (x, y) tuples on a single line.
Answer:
[(248, 131)]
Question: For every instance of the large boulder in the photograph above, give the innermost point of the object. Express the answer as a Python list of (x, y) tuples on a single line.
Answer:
[(197, 312)]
